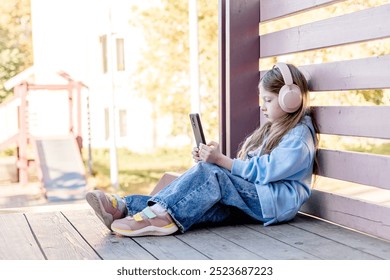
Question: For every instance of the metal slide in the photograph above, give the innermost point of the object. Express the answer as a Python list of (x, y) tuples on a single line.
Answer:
[(62, 169)]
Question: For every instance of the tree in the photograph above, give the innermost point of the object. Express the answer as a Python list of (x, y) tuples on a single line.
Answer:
[(15, 40), (162, 76)]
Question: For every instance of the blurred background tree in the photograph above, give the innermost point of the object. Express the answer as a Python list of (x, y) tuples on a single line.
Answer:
[(162, 75), (15, 40)]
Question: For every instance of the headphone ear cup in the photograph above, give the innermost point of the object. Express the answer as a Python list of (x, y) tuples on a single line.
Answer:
[(290, 98)]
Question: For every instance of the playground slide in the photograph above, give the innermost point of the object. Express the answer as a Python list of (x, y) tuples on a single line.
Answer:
[(62, 169)]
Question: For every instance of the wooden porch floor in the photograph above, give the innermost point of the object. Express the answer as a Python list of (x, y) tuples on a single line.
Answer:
[(78, 234)]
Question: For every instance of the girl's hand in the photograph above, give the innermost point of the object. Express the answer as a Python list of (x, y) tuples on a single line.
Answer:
[(195, 154), (210, 153)]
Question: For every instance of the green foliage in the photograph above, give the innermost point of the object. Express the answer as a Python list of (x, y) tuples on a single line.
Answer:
[(8, 152), (15, 40), (370, 147), (162, 75)]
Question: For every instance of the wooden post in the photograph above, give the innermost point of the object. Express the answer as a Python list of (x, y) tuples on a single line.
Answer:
[(22, 164), (239, 42), (70, 99), (79, 137)]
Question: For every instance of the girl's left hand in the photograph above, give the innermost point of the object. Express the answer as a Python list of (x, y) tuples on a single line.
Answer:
[(210, 153)]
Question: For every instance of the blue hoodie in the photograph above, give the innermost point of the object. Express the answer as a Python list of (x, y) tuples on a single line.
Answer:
[(283, 177)]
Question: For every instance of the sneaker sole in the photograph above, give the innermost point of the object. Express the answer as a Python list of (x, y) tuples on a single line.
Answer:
[(97, 206), (148, 231)]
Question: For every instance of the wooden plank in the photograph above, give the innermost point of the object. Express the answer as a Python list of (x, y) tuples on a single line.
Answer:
[(216, 247), (361, 121), (353, 213), (361, 168), (355, 74), (16, 239), (57, 237), (260, 244), (312, 243), (169, 248), (365, 243), (276, 9), (109, 246), (368, 24), (164, 181), (241, 72)]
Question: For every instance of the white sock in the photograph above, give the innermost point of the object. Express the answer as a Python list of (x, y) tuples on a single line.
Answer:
[(158, 209)]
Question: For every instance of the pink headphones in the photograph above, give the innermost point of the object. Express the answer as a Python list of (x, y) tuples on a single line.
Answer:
[(290, 95)]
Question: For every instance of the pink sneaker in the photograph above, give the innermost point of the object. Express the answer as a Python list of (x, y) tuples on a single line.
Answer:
[(107, 207), (145, 223)]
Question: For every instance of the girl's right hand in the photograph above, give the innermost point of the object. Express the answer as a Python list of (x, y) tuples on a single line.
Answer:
[(195, 154)]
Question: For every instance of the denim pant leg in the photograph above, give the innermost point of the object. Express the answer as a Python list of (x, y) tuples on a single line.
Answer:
[(136, 203), (207, 193)]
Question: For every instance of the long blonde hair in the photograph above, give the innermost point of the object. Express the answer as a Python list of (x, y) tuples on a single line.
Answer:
[(273, 81)]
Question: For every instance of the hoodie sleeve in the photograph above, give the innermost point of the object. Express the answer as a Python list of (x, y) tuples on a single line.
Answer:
[(286, 162)]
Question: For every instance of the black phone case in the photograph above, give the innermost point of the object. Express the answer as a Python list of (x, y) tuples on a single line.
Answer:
[(197, 129)]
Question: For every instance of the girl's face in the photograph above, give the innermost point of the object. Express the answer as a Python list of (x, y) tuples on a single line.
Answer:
[(270, 104)]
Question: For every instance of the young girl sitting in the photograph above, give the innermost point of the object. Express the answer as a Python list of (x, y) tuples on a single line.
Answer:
[(268, 181)]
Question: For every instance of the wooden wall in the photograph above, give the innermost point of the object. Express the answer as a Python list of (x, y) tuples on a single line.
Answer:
[(243, 51)]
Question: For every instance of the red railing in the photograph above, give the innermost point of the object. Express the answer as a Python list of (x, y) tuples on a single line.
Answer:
[(22, 138)]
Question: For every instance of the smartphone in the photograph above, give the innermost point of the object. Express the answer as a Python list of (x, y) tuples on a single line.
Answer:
[(197, 129)]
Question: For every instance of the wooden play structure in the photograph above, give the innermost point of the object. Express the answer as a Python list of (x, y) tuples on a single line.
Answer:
[(332, 225), (57, 158)]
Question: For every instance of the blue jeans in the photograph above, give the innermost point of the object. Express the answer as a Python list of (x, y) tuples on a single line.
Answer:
[(206, 193)]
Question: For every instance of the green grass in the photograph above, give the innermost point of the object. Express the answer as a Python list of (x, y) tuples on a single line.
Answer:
[(138, 173), (383, 149)]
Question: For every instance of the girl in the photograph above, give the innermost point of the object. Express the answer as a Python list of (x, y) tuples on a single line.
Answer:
[(268, 181)]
